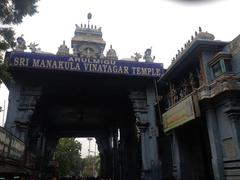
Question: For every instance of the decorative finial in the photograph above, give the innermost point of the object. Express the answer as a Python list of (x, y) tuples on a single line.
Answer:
[(192, 37), (196, 33), (200, 29), (173, 60), (89, 16)]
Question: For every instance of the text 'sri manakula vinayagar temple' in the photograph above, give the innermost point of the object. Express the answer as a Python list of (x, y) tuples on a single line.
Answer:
[(150, 123)]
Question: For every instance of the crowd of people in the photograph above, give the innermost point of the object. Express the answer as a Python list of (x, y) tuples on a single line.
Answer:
[(84, 178)]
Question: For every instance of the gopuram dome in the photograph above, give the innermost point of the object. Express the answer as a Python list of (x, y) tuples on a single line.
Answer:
[(88, 41), (204, 35), (111, 54), (63, 49)]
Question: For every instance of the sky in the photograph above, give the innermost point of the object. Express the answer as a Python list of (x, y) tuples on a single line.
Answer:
[(85, 147), (130, 26)]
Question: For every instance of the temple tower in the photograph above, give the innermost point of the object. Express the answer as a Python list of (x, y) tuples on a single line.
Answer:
[(88, 41)]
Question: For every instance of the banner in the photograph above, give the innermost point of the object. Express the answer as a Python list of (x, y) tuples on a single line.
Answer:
[(87, 65), (179, 114)]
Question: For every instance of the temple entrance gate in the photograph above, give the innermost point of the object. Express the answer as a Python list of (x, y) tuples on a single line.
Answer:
[(86, 94), (118, 110)]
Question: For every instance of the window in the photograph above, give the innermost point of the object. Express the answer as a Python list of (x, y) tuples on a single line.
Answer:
[(221, 64), (216, 68), (220, 67)]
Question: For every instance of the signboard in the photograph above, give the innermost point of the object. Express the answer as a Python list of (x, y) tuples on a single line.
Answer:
[(87, 65), (179, 114), (10, 146)]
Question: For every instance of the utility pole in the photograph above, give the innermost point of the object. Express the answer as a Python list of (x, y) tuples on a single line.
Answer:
[(95, 149), (2, 109), (3, 112), (89, 146)]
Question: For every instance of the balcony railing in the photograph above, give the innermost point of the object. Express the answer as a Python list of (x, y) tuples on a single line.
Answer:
[(225, 82)]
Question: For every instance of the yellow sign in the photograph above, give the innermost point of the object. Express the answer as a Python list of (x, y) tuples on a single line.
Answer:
[(179, 114)]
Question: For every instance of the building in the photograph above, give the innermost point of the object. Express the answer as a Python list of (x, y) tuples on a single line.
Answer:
[(200, 104)]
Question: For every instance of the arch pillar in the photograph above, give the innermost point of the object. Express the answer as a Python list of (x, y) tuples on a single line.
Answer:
[(144, 110)]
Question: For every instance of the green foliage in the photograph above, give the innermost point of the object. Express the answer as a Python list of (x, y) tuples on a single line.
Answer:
[(4, 74), (68, 154), (12, 12), (6, 41)]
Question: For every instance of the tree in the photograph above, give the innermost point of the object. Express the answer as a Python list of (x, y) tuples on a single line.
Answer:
[(90, 166), (12, 12), (6, 41), (68, 154)]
